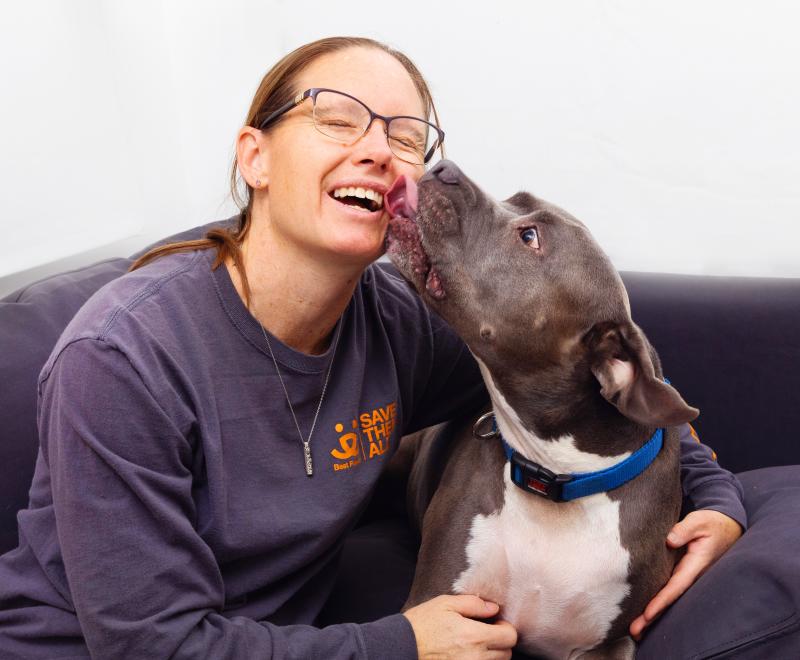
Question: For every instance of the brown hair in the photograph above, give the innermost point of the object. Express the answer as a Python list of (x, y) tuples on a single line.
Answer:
[(276, 89)]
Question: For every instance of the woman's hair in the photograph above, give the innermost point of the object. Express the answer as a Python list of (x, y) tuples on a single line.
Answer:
[(275, 90)]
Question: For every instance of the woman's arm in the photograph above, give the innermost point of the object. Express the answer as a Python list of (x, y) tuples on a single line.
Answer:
[(705, 484), (142, 580)]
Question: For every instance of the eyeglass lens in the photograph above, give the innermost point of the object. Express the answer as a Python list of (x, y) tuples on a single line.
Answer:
[(345, 119)]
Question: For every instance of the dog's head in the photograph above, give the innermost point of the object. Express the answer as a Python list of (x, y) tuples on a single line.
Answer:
[(528, 289)]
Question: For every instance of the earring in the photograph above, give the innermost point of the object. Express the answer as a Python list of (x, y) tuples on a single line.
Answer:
[(258, 183)]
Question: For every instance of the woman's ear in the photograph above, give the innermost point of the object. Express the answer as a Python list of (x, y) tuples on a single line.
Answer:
[(252, 157)]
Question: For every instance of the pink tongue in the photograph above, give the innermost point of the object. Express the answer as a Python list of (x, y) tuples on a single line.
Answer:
[(401, 199)]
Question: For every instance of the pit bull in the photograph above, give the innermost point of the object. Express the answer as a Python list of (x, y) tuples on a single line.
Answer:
[(557, 503)]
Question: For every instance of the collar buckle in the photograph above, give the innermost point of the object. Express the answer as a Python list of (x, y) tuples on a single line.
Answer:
[(533, 478)]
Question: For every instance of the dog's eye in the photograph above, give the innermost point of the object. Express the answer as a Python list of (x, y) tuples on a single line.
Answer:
[(530, 236)]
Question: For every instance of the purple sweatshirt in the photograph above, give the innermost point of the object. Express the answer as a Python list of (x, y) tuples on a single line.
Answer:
[(170, 513)]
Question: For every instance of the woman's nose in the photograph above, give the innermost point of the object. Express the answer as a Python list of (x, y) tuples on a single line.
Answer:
[(374, 144)]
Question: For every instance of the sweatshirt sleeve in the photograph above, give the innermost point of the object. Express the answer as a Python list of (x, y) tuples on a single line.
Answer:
[(142, 581), (705, 484), (449, 383)]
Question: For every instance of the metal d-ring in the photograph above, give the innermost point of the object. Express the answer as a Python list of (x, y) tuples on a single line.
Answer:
[(482, 420)]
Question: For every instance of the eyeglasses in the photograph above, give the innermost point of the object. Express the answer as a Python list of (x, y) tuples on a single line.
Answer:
[(346, 119)]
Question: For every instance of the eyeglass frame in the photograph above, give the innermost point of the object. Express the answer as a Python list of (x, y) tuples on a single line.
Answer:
[(313, 91)]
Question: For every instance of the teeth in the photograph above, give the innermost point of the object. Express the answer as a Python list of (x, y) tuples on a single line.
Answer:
[(364, 193)]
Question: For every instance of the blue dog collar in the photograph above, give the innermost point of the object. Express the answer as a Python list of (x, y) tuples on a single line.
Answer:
[(535, 478)]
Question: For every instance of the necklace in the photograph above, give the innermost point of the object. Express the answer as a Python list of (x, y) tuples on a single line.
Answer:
[(306, 442)]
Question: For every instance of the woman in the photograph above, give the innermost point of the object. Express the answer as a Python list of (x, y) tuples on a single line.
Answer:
[(213, 423)]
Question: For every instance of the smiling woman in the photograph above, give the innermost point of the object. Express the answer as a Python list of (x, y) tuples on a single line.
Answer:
[(369, 70), (213, 423), (265, 374)]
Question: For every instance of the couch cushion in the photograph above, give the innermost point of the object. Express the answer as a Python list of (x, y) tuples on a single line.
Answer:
[(747, 606)]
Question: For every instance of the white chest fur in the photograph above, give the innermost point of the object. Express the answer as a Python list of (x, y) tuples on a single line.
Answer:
[(558, 569)]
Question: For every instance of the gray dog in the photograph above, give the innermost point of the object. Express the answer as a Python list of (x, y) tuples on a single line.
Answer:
[(557, 506)]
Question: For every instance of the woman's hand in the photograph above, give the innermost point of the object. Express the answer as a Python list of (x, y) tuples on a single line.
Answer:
[(445, 628), (708, 534)]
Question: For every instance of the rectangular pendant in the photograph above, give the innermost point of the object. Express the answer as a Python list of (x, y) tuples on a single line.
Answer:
[(307, 454)]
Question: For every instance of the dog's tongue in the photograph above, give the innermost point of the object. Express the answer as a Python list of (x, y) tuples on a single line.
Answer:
[(403, 235), (401, 199)]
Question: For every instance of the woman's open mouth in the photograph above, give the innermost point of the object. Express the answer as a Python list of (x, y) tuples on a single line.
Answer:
[(363, 199), (404, 239)]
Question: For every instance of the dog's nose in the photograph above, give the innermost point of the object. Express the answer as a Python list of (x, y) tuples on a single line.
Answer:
[(447, 172)]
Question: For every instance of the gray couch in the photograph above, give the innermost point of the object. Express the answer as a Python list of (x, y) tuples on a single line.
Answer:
[(732, 347)]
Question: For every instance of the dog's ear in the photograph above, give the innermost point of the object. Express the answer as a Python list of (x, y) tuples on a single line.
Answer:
[(619, 357)]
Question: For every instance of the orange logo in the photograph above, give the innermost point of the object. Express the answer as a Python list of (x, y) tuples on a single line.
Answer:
[(349, 443), (693, 433), (366, 440)]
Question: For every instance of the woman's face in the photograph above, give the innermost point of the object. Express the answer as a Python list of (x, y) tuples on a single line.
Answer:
[(304, 167)]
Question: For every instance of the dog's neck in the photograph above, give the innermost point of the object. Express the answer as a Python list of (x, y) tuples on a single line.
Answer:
[(583, 435)]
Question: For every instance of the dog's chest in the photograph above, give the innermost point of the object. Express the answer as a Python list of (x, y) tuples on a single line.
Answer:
[(558, 570)]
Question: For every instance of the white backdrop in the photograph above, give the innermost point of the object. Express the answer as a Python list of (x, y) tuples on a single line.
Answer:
[(671, 129)]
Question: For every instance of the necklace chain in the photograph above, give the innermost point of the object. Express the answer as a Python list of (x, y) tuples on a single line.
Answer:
[(306, 442)]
